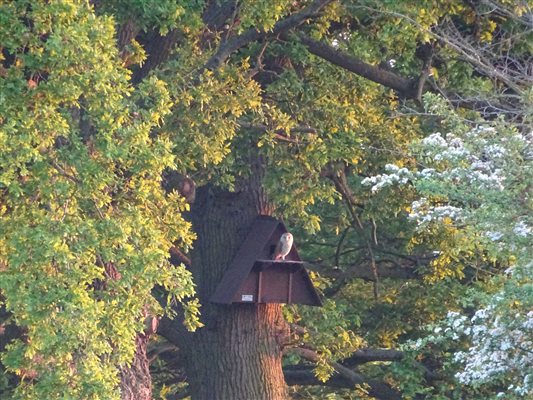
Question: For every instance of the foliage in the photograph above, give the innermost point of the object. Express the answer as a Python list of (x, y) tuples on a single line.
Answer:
[(329, 332), (162, 15), (402, 224), (80, 200), (476, 179)]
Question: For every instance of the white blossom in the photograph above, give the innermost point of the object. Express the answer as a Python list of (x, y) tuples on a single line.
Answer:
[(422, 212), (494, 151), (522, 229), (397, 176), (494, 236), (435, 140)]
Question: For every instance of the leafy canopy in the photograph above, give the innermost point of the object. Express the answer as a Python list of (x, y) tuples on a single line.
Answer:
[(80, 200)]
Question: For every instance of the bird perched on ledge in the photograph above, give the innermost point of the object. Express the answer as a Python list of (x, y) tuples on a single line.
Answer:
[(283, 247)]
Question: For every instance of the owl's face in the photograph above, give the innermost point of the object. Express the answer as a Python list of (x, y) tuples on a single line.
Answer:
[(287, 237)]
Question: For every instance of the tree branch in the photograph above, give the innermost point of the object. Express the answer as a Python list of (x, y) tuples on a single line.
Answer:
[(341, 185), (177, 257), (362, 271), (370, 355), (280, 134), (304, 376), (365, 272), (348, 378), (251, 35), (405, 87)]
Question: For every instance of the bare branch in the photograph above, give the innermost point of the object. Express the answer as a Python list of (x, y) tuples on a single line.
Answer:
[(341, 185), (177, 257), (475, 55), (516, 78)]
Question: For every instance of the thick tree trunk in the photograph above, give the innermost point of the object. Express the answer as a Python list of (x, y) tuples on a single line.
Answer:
[(237, 355), (240, 358)]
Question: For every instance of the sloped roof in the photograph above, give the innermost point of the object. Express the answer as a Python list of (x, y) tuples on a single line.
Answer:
[(256, 246)]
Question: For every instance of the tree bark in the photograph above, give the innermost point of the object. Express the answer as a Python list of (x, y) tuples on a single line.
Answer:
[(237, 355), (135, 380)]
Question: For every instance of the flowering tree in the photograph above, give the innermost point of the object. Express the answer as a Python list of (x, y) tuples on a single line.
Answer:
[(135, 129), (477, 181)]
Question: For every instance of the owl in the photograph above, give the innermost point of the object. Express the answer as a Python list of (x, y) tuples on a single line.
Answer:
[(284, 246)]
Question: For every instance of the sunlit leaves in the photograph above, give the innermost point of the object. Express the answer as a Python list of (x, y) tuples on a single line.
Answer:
[(86, 226), (162, 15)]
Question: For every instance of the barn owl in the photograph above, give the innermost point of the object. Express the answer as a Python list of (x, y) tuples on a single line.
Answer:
[(284, 246)]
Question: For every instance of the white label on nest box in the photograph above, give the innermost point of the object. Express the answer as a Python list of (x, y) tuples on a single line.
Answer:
[(247, 297)]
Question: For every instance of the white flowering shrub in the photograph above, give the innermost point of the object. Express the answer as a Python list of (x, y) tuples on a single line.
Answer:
[(501, 345), (498, 351), (480, 180), (480, 177)]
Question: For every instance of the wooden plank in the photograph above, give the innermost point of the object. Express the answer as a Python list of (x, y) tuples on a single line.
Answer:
[(289, 297), (259, 287)]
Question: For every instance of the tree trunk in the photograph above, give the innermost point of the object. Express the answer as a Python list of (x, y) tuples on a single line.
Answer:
[(135, 380), (237, 355)]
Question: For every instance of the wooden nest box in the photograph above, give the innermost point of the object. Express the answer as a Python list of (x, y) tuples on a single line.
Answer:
[(254, 277)]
